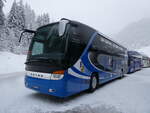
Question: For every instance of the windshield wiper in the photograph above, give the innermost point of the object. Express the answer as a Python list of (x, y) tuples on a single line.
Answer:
[(41, 59), (31, 61)]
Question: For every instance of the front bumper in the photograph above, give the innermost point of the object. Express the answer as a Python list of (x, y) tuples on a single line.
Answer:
[(51, 87)]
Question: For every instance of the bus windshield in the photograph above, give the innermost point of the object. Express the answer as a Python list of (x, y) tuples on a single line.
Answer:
[(60, 48), (47, 44)]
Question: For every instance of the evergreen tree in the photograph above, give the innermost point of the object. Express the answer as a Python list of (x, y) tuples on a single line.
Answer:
[(21, 13), (43, 20), (29, 18), (20, 16), (2, 17), (15, 25), (46, 19), (2, 23), (16, 17)]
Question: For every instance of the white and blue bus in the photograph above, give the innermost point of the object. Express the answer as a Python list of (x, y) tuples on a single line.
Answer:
[(134, 61), (145, 61), (68, 57)]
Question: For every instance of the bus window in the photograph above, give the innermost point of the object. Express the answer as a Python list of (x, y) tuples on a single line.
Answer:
[(37, 48), (105, 61), (102, 44), (75, 46)]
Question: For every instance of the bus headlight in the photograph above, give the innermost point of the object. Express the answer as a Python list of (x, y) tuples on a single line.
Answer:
[(57, 76)]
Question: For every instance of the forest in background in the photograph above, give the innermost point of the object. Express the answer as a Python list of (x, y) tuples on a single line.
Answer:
[(135, 35), (21, 16)]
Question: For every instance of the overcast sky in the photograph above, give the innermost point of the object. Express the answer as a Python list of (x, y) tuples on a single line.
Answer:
[(108, 16)]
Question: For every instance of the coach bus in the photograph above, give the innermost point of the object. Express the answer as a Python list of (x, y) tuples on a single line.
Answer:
[(145, 61), (134, 61), (67, 57)]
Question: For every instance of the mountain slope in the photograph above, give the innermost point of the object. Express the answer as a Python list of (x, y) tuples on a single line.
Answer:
[(135, 35)]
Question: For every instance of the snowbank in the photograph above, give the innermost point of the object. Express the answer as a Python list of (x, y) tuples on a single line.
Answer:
[(11, 62), (89, 109)]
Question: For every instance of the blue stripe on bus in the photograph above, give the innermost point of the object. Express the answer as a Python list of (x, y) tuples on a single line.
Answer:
[(75, 74), (77, 71)]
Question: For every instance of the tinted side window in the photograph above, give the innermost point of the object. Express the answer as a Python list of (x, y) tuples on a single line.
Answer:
[(75, 47), (101, 61), (101, 58), (102, 44), (105, 61), (95, 61), (96, 43)]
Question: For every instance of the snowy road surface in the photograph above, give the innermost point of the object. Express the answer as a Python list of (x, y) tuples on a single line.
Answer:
[(128, 95), (11, 63)]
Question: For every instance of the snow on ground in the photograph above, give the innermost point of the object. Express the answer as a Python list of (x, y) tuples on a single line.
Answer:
[(11, 62), (128, 95)]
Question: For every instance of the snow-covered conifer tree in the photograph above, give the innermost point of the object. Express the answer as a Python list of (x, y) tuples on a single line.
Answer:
[(2, 17), (43, 20), (16, 17), (29, 18), (2, 25), (15, 23)]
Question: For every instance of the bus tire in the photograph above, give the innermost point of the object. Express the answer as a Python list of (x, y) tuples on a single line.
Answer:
[(93, 83)]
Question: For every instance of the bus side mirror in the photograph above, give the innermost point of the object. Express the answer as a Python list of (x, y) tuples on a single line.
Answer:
[(25, 31), (21, 36)]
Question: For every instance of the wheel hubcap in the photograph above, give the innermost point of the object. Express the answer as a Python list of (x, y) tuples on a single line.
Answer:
[(94, 82)]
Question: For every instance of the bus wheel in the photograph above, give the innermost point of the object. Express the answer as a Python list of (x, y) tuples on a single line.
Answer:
[(93, 83)]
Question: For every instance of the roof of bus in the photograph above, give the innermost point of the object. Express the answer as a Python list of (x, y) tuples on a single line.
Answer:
[(134, 54)]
